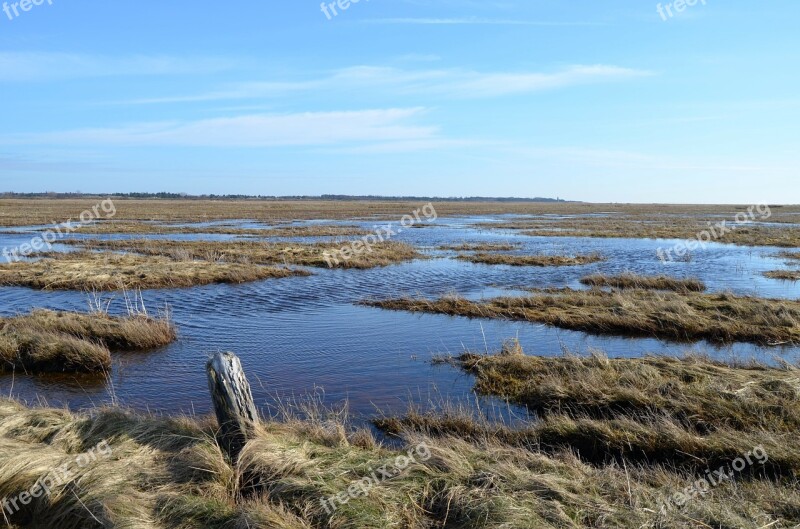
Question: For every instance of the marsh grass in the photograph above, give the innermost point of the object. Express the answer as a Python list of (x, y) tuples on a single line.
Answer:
[(263, 253), (658, 223), (106, 271), (170, 473), (150, 228), (634, 281), (531, 260), (50, 341), (690, 316), (680, 411), (658, 418), (25, 212)]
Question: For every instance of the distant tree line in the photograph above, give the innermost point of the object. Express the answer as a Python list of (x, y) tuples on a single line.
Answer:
[(186, 196)]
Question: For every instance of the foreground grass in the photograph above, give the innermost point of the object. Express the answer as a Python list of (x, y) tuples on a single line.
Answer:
[(634, 281), (530, 260), (170, 473), (111, 271), (321, 255), (49, 341), (689, 316)]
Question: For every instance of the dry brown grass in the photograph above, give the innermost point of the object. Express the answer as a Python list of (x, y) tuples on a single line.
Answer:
[(316, 230), (136, 228), (680, 223), (110, 271), (128, 227), (531, 260), (630, 280), (647, 416), (158, 473), (264, 253), (48, 341), (697, 392), (23, 212), (722, 318)]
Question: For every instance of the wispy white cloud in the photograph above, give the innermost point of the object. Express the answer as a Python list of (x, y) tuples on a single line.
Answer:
[(459, 83), (259, 130), (47, 66), (474, 21)]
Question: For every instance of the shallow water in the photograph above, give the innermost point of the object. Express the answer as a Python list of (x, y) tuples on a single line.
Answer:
[(306, 335)]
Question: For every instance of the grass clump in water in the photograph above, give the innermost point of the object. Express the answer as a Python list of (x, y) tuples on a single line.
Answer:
[(480, 247), (49, 341), (784, 275), (321, 255), (679, 316), (634, 281), (531, 260), (87, 270)]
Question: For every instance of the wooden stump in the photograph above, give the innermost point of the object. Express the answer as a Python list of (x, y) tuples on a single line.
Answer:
[(233, 402)]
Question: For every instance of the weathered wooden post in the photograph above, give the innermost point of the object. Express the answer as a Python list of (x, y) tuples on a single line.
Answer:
[(233, 402)]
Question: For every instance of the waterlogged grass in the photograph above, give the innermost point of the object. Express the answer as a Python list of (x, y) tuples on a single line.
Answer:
[(784, 275), (663, 223), (49, 341), (655, 420), (480, 247), (530, 260), (679, 316), (696, 392), (321, 255), (634, 281), (112, 271)]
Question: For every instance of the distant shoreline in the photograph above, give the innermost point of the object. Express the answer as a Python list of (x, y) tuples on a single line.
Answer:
[(343, 198)]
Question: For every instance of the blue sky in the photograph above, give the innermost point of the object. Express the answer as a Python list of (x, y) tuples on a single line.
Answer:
[(585, 100)]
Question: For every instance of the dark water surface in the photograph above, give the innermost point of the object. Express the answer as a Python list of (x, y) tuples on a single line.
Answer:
[(305, 335)]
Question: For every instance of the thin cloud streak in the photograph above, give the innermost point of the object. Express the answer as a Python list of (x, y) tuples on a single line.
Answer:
[(475, 21), (250, 131), (53, 66), (465, 84)]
